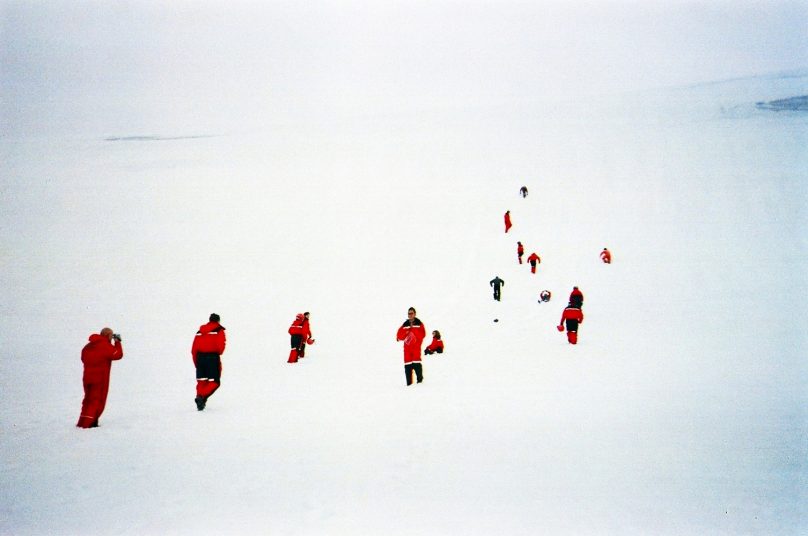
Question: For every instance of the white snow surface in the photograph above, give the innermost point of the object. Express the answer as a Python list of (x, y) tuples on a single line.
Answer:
[(682, 410)]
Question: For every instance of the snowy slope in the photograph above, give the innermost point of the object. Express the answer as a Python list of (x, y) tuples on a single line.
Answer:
[(681, 411)]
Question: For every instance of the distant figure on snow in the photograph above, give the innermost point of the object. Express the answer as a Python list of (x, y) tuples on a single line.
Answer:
[(577, 297), (508, 224), (497, 283), (436, 346), (520, 250), (207, 351), (572, 317), (412, 332), (300, 336), (533, 260), (97, 356), (523, 191), (545, 296), (606, 256)]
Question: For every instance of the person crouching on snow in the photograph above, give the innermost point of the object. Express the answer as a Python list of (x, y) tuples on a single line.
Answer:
[(412, 332), (436, 346), (207, 351), (572, 316)]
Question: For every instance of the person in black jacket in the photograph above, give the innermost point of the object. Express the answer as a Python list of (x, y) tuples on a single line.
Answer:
[(497, 283)]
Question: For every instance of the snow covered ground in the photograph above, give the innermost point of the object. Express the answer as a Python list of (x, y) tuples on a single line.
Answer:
[(682, 410)]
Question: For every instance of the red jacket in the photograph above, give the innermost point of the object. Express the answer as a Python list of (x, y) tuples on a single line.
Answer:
[(520, 250), (435, 344), (572, 313), (606, 256), (507, 221), (413, 336), (301, 327), (534, 258), (210, 339), (97, 356)]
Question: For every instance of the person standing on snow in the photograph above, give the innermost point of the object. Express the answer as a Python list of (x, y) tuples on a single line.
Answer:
[(576, 297), (436, 346), (301, 336), (572, 316), (207, 351), (520, 250), (523, 191), (497, 283), (97, 356), (508, 224), (533, 259), (412, 332), (606, 256)]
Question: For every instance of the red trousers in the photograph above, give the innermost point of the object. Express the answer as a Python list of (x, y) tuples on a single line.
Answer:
[(95, 400)]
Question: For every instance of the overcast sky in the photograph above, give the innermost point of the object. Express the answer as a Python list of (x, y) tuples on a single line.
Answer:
[(67, 65)]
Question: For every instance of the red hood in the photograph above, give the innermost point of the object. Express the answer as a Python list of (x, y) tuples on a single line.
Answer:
[(210, 326)]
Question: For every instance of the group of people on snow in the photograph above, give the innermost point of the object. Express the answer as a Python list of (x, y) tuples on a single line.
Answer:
[(572, 315)]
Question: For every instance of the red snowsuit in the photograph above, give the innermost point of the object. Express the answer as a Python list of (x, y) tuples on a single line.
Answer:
[(533, 259), (520, 250), (97, 356), (207, 350), (606, 256), (301, 335), (508, 221), (413, 334), (572, 316), (435, 347)]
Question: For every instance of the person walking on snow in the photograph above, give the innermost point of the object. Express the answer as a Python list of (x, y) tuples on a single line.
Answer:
[(301, 336), (520, 250), (508, 224), (572, 316), (606, 256), (523, 191), (97, 357), (412, 332), (436, 346), (577, 297), (533, 259), (497, 283), (544, 296), (207, 351)]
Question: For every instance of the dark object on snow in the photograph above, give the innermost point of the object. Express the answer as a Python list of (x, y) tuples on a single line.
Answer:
[(793, 104)]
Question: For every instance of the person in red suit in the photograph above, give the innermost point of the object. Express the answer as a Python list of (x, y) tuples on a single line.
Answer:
[(412, 332), (577, 297), (508, 224), (436, 346), (520, 250), (97, 356), (606, 256), (533, 260), (572, 317), (207, 351), (300, 336)]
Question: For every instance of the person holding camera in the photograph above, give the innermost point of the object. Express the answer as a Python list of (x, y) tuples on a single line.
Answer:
[(97, 357), (207, 351)]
